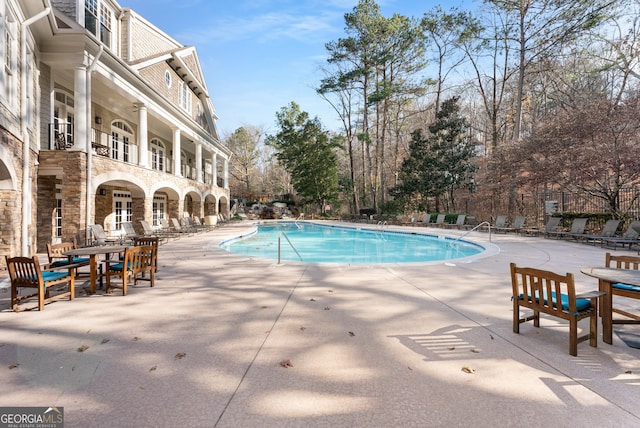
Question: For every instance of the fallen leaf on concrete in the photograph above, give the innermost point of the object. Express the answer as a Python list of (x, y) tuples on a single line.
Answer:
[(351, 333), (264, 307), (136, 338), (326, 308), (628, 372), (491, 336), (312, 300), (475, 351), (468, 370), (303, 328), (452, 348), (13, 366), (286, 363), (153, 368), (180, 355), (103, 341), (82, 348), (330, 291)]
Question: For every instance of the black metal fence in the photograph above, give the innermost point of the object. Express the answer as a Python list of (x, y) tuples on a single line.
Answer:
[(538, 207)]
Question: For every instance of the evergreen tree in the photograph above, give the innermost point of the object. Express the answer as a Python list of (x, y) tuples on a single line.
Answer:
[(308, 154), (439, 163)]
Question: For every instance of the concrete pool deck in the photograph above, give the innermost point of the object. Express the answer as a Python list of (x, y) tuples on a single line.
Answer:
[(228, 341)]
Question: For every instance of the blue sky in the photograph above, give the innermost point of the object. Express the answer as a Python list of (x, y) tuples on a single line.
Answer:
[(259, 55)]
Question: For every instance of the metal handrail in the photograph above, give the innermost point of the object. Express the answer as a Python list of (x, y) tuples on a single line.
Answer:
[(474, 228), (290, 243)]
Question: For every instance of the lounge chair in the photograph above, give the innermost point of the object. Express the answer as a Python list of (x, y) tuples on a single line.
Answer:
[(413, 220), (577, 228), (129, 232), (25, 272), (459, 222), (439, 220), (552, 226), (148, 231), (608, 230), (177, 227), (100, 237), (517, 225), (630, 237), (500, 223), (426, 219), (190, 224)]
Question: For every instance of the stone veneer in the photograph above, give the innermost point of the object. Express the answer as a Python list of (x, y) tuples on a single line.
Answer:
[(70, 173), (11, 202)]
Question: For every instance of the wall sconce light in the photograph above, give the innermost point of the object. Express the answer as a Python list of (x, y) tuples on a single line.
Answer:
[(98, 120), (103, 192)]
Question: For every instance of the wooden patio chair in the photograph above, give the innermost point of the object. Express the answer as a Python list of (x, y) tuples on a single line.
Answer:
[(136, 263), (57, 259), (25, 272), (553, 294), (153, 242), (624, 290)]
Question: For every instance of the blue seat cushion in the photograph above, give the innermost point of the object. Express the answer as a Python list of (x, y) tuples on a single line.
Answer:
[(53, 276), (59, 263), (626, 287), (117, 267), (581, 304)]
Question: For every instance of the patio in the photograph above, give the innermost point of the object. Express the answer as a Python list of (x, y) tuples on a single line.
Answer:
[(223, 340)]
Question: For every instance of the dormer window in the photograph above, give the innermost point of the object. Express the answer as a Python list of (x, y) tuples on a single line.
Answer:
[(97, 19)]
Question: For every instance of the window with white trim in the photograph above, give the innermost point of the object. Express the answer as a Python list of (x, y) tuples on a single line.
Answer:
[(97, 20), (159, 209), (185, 96), (9, 46), (158, 155), (58, 212), (121, 137), (122, 208), (63, 118)]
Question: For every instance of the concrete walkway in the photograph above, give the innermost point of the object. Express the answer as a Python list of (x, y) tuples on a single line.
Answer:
[(228, 341)]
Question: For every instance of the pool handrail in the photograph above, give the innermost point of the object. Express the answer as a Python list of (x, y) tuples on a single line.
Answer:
[(290, 243), (473, 229)]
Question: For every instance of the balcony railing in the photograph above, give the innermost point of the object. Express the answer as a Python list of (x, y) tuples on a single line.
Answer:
[(61, 138), (60, 135)]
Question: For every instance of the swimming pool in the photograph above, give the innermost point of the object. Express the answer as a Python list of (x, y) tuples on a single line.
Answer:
[(316, 243)]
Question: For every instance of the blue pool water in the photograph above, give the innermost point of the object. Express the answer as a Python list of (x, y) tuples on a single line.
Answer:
[(336, 244)]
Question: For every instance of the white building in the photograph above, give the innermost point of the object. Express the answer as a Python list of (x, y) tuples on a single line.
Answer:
[(103, 119)]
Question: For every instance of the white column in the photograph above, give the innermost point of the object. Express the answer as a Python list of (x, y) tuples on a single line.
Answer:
[(226, 173), (198, 161), (214, 169), (176, 152), (80, 125), (143, 145)]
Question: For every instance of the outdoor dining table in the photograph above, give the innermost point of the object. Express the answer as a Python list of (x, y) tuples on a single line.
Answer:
[(606, 277), (93, 253)]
